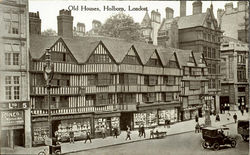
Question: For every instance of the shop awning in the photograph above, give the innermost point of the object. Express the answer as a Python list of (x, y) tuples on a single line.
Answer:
[(160, 106)]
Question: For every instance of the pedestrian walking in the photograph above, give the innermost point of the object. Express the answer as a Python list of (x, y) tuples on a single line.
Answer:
[(140, 130), (235, 117), (128, 134), (103, 132), (197, 128), (217, 118), (116, 132), (71, 136), (228, 116), (143, 131), (88, 137), (196, 118), (151, 133), (242, 111)]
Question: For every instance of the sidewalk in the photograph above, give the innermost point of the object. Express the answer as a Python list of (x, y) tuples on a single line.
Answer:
[(177, 128)]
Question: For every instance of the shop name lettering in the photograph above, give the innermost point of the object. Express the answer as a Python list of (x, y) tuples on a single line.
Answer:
[(11, 116), (16, 105)]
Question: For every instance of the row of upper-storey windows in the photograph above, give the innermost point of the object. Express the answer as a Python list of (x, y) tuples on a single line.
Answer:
[(210, 37), (11, 54), (192, 71), (105, 79), (11, 22), (211, 52), (241, 59), (12, 87)]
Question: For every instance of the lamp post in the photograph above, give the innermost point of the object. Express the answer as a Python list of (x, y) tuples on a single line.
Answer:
[(48, 71)]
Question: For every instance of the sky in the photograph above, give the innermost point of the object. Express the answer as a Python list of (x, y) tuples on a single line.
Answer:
[(49, 10)]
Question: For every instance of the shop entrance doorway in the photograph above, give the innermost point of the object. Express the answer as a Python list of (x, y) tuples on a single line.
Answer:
[(126, 119), (19, 137)]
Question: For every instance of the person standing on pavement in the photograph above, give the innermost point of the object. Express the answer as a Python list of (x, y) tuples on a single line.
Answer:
[(197, 128), (143, 131), (88, 137), (103, 132), (235, 117), (116, 132), (71, 136), (139, 130), (128, 134), (242, 110), (196, 118)]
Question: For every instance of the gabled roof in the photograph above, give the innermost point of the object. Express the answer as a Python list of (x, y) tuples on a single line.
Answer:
[(144, 51), (165, 54), (146, 21), (183, 56), (39, 44)]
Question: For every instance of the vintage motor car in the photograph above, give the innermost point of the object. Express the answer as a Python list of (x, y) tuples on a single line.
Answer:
[(243, 129), (213, 137)]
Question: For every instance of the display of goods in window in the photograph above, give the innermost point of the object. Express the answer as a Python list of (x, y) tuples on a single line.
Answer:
[(139, 118)]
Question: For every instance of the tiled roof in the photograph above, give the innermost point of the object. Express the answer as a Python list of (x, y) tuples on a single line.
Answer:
[(183, 56), (38, 44), (82, 48), (191, 20), (229, 39), (186, 21), (165, 54)]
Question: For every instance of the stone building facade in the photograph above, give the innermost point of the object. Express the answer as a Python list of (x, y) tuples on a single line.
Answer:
[(14, 78), (240, 15), (235, 79)]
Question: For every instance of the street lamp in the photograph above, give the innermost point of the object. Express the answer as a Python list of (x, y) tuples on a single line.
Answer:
[(48, 72)]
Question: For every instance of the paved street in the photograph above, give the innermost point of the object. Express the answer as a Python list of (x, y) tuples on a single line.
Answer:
[(180, 135), (187, 143)]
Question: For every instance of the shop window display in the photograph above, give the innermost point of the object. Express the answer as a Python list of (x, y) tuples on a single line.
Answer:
[(170, 114), (79, 127), (40, 132), (148, 119)]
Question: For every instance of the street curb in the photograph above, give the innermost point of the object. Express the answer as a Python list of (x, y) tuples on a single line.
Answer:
[(128, 142)]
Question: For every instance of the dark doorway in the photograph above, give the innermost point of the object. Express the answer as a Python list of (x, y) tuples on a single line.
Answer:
[(55, 125), (224, 103), (19, 137), (126, 119)]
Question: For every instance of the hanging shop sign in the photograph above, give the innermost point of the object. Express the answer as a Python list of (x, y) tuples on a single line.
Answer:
[(12, 117)]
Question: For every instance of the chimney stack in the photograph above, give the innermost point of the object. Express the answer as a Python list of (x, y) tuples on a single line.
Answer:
[(197, 7), (34, 23), (183, 8), (65, 23), (169, 13)]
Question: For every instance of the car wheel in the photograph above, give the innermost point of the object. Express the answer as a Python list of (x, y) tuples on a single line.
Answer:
[(233, 143), (204, 144), (216, 146), (57, 152)]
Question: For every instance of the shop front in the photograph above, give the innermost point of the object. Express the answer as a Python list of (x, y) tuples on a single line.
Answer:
[(191, 111), (156, 114), (168, 115), (12, 126), (61, 126), (106, 122)]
